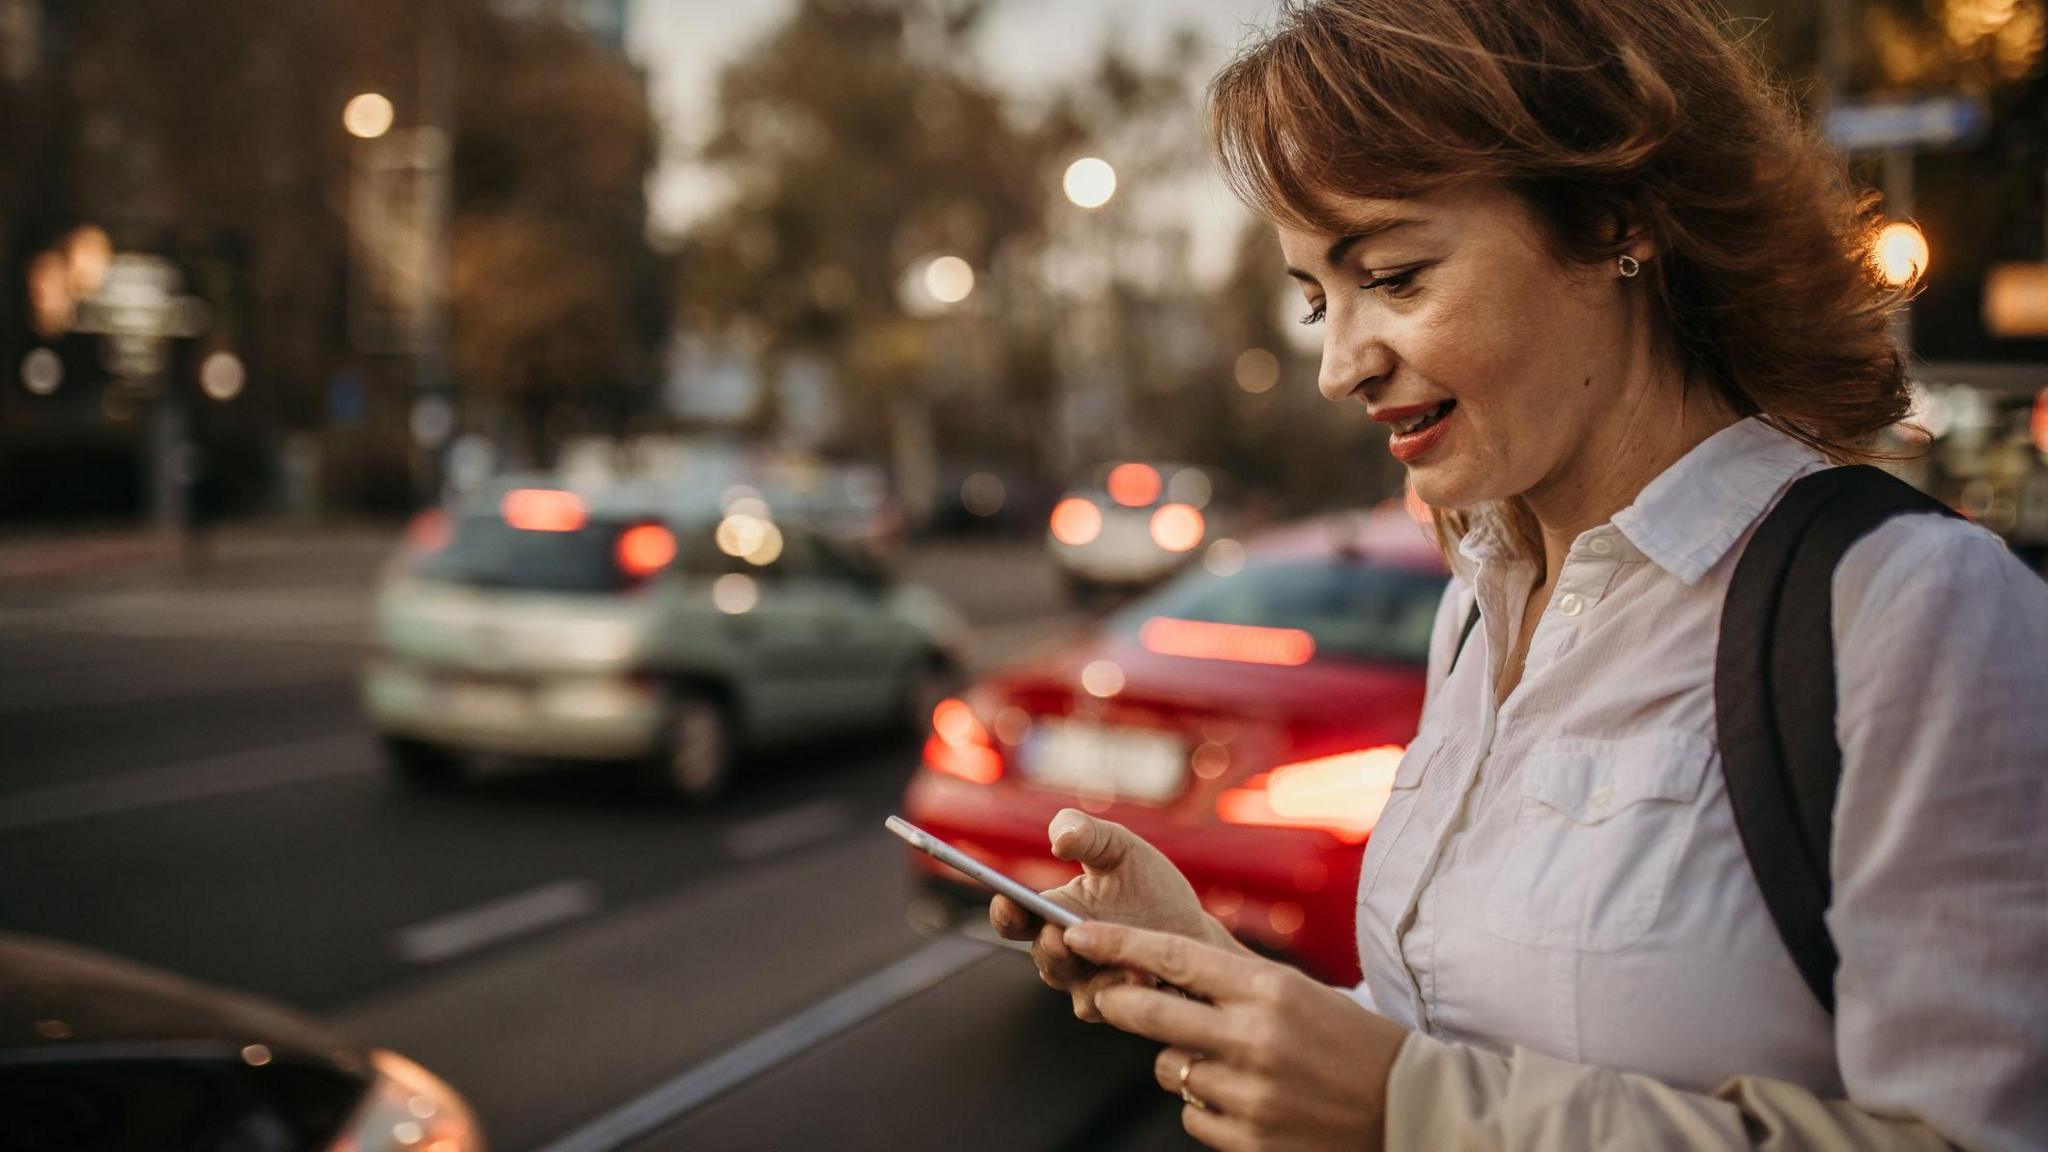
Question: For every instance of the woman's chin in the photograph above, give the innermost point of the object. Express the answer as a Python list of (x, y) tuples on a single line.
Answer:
[(1440, 491)]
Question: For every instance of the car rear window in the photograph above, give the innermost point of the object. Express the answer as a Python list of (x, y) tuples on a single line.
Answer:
[(486, 552), (1354, 611)]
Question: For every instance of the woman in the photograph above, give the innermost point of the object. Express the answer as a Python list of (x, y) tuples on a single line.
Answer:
[(1610, 296)]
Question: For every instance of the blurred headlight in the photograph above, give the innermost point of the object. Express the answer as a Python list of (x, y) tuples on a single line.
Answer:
[(1076, 521), (409, 1109)]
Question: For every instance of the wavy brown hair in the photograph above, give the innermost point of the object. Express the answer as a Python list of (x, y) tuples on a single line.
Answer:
[(1606, 116)]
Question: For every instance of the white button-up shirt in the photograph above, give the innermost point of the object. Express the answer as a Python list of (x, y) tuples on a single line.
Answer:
[(1561, 880)]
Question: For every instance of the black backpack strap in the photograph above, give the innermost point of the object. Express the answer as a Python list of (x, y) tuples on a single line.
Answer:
[(1774, 696)]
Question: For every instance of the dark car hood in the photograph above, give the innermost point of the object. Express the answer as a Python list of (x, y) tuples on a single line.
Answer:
[(54, 994)]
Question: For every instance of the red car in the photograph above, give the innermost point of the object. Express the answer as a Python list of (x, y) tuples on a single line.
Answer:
[(1246, 719)]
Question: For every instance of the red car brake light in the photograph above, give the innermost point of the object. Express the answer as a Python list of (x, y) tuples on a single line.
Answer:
[(1239, 643), (543, 510), (645, 549), (1342, 795), (960, 744), (1134, 485)]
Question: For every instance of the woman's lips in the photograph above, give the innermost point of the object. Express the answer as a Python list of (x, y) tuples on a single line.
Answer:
[(1410, 447)]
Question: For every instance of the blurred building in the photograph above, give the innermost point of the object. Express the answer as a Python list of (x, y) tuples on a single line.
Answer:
[(20, 38)]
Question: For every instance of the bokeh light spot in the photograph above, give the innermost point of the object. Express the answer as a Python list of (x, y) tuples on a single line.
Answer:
[(1257, 370), (1090, 182), (368, 116)]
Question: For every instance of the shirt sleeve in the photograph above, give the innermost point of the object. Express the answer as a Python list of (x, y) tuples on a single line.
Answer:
[(1940, 852), (1442, 1095), (1940, 900)]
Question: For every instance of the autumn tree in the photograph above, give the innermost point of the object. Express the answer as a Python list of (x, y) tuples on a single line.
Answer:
[(857, 147)]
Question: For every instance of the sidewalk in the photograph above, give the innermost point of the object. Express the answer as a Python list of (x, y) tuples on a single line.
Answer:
[(55, 558)]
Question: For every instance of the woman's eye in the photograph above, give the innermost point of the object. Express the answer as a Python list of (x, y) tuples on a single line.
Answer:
[(1315, 315), (1396, 284)]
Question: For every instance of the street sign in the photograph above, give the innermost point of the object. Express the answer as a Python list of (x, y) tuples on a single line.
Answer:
[(140, 305), (1937, 122)]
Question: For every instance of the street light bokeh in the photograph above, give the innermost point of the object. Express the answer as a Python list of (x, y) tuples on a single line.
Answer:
[(1257, 370), (42, 372), (1090, 182), (222, 376), (1900, 253), (949, 279), (368, 116)]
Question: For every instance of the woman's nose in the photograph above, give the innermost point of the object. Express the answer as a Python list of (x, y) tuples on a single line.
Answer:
[(1349, 366)]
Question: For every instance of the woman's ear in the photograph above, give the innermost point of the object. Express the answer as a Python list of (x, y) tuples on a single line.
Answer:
[(1637, 242)]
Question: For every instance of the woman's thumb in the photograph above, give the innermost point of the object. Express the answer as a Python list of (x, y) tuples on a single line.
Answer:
[(1087, 841)]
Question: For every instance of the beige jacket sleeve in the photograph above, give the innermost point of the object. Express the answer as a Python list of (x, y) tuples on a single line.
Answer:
[(1453, 1096)]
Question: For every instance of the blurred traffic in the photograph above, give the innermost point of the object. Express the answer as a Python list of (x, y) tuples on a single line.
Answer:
[(437, 438), (635, 622)]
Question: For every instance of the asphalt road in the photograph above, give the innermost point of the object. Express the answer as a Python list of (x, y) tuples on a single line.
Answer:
[(184, 780)]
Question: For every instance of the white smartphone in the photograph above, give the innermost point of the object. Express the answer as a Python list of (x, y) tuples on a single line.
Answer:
[(1016, 890)]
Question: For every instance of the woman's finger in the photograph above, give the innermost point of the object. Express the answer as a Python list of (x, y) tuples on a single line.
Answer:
[(1217, 1129), (1056, 965), (1223, 1088), (1186, 964), (1053, 940), (1010, 919), (1168, 1018)]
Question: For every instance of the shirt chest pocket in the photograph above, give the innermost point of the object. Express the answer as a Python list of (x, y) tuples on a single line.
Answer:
[(1400, 808), (1596, 836)]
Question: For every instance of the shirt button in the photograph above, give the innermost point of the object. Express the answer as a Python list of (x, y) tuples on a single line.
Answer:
[(1601, 546), (1602, 796), (1571, 604)]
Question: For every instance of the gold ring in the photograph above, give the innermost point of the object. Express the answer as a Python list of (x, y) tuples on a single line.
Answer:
[(1189, 1097)]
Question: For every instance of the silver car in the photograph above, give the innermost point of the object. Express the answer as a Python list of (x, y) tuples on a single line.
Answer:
[(623, 625)]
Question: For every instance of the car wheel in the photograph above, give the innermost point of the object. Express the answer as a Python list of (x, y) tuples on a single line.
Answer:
[(695, 759), (929, 681), (420, 764)]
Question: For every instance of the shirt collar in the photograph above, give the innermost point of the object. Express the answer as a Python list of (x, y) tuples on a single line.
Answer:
[(1688, 518), (1486, 537)]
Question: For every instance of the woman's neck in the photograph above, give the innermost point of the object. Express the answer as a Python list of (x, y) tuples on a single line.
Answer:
[(1621, 455)]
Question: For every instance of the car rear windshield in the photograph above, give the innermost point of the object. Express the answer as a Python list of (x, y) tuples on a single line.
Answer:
[(489, 553), (1355, 611)]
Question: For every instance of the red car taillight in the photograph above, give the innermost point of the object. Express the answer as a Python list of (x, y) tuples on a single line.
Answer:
[(960, 744), (1341, 795), (645, 549)]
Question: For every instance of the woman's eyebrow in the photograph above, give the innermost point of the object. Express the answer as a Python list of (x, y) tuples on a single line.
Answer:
[(1341, 247)]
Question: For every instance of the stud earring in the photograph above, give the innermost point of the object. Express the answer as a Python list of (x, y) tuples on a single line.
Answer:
[(1629, 266)]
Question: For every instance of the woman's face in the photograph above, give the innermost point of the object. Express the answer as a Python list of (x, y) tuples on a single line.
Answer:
[(1449, 309)]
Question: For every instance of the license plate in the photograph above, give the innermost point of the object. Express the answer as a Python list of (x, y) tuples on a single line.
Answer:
[(485, 703), (1127, 763)]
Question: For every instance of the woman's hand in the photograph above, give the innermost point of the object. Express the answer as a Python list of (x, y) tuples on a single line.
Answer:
[(1123, 880), (1273, 1059)]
